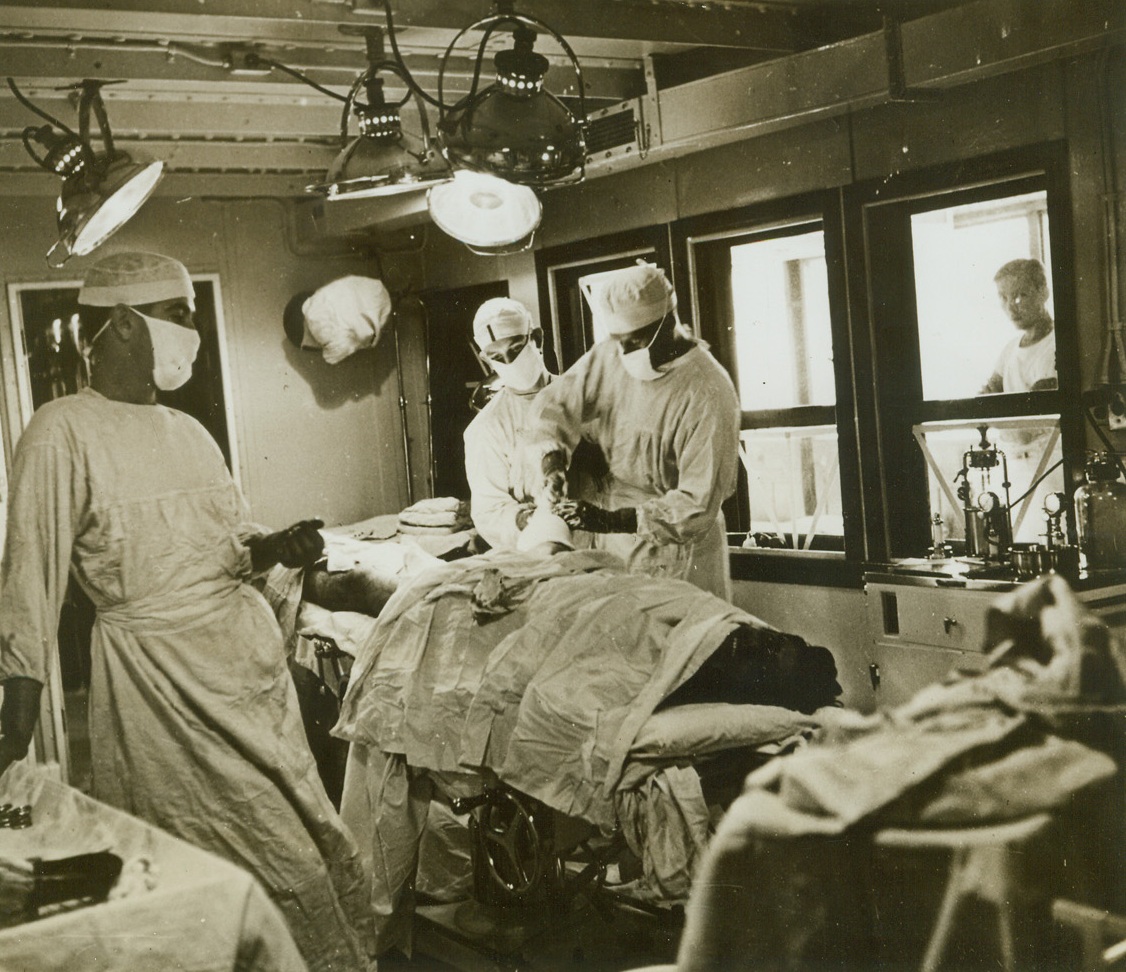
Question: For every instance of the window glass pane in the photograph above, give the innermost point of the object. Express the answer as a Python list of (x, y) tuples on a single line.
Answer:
[(793, 480), (783, 341), (964, 327), (1030, 446)]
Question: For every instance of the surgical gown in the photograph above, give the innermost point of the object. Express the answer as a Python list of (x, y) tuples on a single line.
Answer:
[(194, 722), (502, 467), (672, 446)]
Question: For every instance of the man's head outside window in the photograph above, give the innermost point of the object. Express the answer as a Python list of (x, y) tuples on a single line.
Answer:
[(1028, 361)]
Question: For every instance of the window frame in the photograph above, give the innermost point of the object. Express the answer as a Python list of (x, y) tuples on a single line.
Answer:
[(698, 245), (882, 479), (895, 475), (590, 255)]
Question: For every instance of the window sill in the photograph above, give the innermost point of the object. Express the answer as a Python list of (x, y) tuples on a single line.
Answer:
[(811, 568)]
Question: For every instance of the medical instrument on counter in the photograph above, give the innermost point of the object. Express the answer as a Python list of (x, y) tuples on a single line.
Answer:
[(1100, 513), (1055, 553), (985, 503), (939, 549)]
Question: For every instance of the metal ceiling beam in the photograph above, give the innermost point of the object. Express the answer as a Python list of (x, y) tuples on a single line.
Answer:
[(42, 63), (304, 21)]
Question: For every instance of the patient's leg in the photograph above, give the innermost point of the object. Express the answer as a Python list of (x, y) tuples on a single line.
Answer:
[(360, 589)]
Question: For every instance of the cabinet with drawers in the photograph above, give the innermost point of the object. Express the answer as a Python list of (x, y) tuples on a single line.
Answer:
[(922, 628)]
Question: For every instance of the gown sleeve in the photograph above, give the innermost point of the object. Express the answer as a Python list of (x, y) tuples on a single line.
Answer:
[(707, 454), (47, 500), (565, 406), (492, 505)]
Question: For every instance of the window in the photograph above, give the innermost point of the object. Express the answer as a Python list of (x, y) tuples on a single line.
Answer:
[(971, 342), (761, 294), (875, 335), (561, 270)]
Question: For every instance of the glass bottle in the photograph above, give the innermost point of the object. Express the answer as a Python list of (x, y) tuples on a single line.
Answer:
[(1100, 513)]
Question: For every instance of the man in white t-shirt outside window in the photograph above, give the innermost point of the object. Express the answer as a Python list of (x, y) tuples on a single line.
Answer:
[(1028, 361)]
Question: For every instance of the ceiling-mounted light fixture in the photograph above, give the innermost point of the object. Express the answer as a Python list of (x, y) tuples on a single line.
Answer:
[(382, 159), (514, 128), (489, 215), (101, 191)]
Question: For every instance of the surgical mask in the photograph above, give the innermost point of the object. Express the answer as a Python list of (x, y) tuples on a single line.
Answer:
[(521, 374), (174, 348), (639, 363)]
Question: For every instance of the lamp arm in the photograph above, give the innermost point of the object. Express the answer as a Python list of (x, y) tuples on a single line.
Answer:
[(407, 77), (92, 99)]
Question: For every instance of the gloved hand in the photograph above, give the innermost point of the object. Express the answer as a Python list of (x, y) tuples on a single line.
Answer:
[(300, 545), (555, 473), (581, 515)]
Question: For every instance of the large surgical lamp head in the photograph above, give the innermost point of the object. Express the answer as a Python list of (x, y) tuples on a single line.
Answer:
[(382, 160), (101, 191), (514, 128)]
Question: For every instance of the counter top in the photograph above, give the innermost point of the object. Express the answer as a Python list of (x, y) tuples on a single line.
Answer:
[(974, 575)]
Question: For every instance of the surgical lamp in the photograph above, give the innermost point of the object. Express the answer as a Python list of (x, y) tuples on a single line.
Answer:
[(514, 128), (383, 159), (101, 191)]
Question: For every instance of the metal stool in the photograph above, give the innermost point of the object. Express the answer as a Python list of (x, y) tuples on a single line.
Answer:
[(982, 865)]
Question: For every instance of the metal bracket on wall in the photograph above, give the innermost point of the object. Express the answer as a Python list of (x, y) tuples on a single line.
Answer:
[(898, 89)]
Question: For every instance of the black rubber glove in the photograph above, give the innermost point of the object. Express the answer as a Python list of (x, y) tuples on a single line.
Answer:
[(555, 473), (18, 715), (300, 545), (581, 515)]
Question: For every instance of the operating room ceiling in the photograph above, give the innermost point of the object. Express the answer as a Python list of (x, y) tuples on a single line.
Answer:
[(192, 92)]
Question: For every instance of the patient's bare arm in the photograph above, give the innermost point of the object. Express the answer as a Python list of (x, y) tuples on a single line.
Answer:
[(360, 589)]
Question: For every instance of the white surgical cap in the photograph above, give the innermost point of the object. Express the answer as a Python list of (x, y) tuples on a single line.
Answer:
[(544, 527), (345, 315), (136, 279), (499, 318), (632, 298)]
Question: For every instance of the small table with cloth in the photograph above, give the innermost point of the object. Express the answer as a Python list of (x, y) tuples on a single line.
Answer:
[(192, 909), (1034, 734)]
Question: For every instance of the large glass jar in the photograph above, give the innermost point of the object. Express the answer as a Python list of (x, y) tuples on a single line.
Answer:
[(1100, 513)]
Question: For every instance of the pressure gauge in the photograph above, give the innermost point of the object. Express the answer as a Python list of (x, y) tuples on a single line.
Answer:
[(987, 502), (1053, 504)]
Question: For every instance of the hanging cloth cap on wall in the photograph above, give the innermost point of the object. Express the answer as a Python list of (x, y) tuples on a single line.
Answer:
[(345, 315)]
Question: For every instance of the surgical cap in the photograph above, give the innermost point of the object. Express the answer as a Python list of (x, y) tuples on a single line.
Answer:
[(136, 279), (499, 318), (345, 315), (633, 298)]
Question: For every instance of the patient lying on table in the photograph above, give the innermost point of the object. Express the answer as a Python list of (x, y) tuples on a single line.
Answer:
[(542, 670)]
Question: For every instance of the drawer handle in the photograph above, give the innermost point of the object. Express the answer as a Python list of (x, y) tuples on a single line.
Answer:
[(949, 624)]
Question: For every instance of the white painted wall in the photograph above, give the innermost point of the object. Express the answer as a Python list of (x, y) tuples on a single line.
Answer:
[(314, 439)]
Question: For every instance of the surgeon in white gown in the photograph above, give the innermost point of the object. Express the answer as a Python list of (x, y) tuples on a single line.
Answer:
[(501, 465), (194, 721), (666, 418)]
